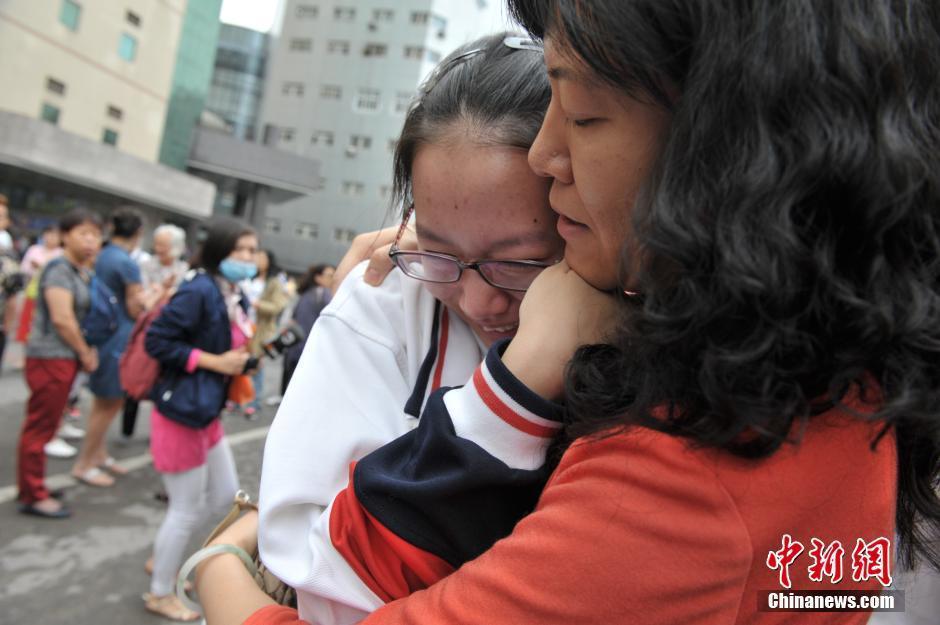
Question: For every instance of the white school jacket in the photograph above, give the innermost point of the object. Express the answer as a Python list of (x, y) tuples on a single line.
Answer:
[(371, 351)]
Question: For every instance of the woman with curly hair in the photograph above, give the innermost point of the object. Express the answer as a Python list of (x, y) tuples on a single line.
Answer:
[(752, 189)]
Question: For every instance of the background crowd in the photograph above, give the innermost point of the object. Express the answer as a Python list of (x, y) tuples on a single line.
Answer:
[(47, 290)]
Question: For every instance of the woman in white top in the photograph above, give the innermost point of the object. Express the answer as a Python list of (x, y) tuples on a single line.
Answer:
[(461, 164)]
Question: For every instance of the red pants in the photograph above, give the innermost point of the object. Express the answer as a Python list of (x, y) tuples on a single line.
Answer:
[(49, 381)]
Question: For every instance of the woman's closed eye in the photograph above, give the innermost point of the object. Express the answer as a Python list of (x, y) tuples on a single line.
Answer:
[(586, 121)]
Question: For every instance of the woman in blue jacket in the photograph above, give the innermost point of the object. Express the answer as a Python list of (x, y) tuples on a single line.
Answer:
[(199, 339)]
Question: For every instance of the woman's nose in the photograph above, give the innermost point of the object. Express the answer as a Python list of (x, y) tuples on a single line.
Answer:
[(548, 155)]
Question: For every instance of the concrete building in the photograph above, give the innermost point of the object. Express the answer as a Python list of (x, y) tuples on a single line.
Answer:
[(341, 77), (87, 91), (248, 175), (98, 70)]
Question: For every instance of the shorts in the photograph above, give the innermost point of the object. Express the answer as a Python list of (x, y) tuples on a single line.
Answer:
[(105, 382)]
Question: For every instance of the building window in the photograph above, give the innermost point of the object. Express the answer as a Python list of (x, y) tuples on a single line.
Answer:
[(383, 15), (127, 47), (307, 11), (367, 100), (110, 136), (360, 142), (70, 13), (301, 45), (307, 231), (292, 87), (272, 226), (420, 17), (344, 14), (385, 191), (375, 49), (392, 145), (439, 26), (287, 134), (115, 113), (331, 92), (50, 113), (414, 52), (337, 46), (402, 101), (432, 56), (322, 137), (132, 18), (353, 188), (343, 235), (55, 86)]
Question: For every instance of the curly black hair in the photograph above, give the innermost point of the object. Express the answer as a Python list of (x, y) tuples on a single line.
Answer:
[(790, 231)]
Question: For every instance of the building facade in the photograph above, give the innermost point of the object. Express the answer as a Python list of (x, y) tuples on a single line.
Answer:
[(88, 87), (101, 70), (341, 77), (238, 79)]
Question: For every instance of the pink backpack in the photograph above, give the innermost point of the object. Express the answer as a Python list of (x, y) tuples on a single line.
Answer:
[(137, 369)]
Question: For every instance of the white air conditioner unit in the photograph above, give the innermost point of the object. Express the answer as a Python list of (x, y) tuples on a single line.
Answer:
[(351, 151)]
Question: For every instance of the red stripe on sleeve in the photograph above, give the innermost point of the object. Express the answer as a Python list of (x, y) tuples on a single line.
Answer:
[(504, 412), (441, 351), (391, 567)]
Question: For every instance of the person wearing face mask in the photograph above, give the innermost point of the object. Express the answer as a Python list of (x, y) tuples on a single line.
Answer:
[(460, 167), (199, 339)]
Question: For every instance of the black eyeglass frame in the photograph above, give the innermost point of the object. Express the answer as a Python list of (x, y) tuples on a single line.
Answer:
[(397, 255)]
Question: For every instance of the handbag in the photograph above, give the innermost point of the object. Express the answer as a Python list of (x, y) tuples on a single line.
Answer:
[(280, 592)]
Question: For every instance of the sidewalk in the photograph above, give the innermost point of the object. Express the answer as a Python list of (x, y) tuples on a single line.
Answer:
[(89, 569)]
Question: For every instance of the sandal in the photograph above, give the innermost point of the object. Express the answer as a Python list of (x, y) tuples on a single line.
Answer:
[(95, 477), (169, 607), (148, 568), (111, 466)]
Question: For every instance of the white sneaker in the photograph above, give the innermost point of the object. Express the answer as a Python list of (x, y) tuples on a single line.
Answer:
[(273, 400), (70, 431), (58, 448)]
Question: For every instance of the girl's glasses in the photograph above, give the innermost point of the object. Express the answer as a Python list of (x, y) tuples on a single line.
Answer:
[(511, 275)]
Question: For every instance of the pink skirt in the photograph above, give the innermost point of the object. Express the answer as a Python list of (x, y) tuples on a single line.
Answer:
[(176, 447)]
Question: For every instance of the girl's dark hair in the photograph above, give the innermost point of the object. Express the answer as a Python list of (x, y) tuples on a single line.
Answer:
[(76, 217), (221, 237), (126, 222), (273, 267), (789, 232), (498, 92), (310, 278)]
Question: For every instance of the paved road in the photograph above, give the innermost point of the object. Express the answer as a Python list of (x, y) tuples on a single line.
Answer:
[(89, 569)]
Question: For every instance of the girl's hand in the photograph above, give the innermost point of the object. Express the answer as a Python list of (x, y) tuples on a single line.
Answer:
[(559, 313), (374, 247), (233, 361)]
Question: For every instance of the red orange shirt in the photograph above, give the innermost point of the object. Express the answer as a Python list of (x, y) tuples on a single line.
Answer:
[(640, 528)]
